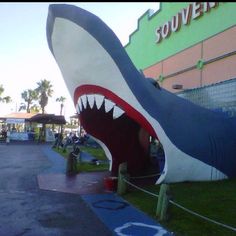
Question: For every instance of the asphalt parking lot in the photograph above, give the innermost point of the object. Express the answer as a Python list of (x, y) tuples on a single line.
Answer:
[(28, 210)]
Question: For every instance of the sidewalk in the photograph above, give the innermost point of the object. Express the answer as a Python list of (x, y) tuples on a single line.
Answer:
[(122, 218), (116, 213), (55, 178), (28, 210)]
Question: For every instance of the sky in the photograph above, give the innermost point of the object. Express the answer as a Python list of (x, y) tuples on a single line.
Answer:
[(25, 58)]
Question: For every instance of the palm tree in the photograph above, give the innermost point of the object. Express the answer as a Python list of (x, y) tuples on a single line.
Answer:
[(29, 96), (6, 99), (44, 90), (61, 100), (35, 108), (22, 107)]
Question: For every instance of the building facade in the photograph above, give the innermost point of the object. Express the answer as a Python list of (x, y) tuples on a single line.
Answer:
[(190, 49)]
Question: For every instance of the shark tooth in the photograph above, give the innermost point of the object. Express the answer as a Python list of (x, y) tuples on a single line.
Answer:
[(80, 107), (117, 112), (108, 105), (91, 100), (84, 100), (98, 100)]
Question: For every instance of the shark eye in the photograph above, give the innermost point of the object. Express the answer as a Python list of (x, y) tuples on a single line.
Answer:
[(153, 82)]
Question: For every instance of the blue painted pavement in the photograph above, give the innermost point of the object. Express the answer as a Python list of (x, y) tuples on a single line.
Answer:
[(86, 157), (116, 213), (122, 218), (58, 163)]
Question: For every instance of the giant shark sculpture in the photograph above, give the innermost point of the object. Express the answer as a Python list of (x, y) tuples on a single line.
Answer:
[(121, 108)]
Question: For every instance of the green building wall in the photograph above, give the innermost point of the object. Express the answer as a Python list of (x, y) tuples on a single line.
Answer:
[(145, 52)]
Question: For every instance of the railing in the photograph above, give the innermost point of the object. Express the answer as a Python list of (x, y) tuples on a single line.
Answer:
[(163, 197)]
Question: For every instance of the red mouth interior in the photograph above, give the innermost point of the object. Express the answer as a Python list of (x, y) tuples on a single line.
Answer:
[(126, 140)]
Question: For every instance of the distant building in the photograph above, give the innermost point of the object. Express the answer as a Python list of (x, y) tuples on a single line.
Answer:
[(24, 126)]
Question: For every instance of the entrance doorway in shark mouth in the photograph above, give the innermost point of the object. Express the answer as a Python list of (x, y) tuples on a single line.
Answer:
[(126, 140), (157, 154)]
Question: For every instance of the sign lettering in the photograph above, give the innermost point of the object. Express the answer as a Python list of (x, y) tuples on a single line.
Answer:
[(192, 12)]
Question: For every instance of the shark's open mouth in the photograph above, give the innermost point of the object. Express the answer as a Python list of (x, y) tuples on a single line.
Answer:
[(117, 124)]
